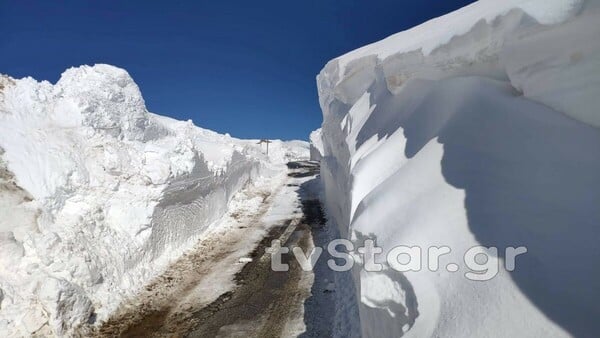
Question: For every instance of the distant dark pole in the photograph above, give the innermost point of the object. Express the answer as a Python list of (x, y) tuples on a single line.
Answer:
[(265, 141)]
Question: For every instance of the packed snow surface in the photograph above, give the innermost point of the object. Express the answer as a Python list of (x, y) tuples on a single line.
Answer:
[(479, 128), (98, 196)]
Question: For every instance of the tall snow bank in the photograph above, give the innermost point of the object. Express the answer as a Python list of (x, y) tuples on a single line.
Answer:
[(476, 128), (97, 195)]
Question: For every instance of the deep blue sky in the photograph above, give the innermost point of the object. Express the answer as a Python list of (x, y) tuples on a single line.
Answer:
[(243, 67)]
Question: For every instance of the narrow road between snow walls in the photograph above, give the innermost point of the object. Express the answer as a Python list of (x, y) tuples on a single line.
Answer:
[(226, 285)]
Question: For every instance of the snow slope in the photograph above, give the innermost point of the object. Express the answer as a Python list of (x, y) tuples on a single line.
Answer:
[(476, 128), (97, 195)]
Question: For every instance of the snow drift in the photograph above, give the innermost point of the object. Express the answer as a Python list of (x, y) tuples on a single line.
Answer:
[(97, 195), (476, 128)]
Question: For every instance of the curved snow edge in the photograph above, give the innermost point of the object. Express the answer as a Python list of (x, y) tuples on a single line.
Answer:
[(376, 183), (108, 194)]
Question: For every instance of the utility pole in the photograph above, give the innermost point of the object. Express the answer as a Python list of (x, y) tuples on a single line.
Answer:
[(265, 141)]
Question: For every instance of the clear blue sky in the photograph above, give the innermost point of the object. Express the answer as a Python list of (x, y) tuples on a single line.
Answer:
[(243, 67)]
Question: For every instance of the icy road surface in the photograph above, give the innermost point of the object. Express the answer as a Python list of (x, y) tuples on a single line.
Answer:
[(226, 288)]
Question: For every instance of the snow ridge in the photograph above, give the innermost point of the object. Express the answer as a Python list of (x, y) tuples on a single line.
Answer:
[(476, 128), (100, 195)]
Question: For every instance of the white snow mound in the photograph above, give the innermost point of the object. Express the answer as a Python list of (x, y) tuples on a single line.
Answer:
[(97, 195), (478, 128)]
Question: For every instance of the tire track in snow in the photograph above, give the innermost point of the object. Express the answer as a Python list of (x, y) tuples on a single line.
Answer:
[(262, 303)]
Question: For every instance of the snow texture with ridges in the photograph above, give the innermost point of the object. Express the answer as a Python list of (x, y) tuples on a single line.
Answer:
[(98, 195), (476, 128)]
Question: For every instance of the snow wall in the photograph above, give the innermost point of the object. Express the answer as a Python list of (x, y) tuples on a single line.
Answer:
[(478, 128), (97, 195)]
